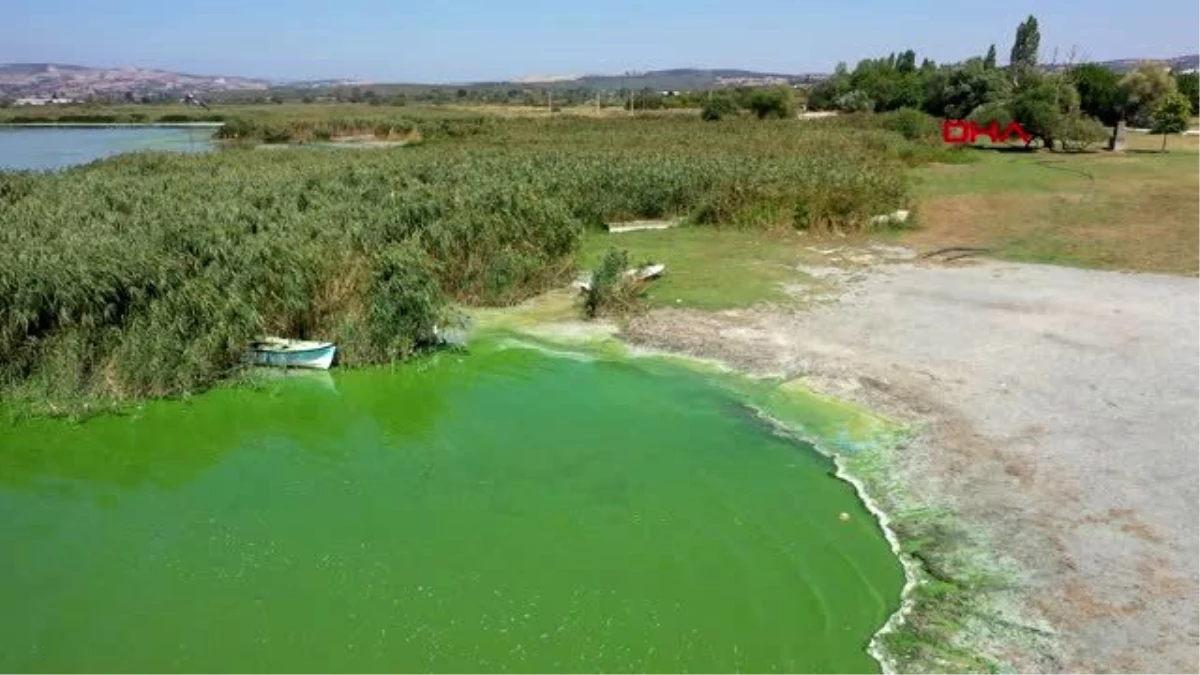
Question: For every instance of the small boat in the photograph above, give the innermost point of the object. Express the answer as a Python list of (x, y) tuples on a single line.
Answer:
[(281, 352), (650, 271)]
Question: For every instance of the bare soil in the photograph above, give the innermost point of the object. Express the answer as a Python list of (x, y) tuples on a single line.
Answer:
[(1056, 411)]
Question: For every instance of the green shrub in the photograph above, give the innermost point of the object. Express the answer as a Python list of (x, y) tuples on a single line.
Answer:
[(911, 124), (854, 101), (776, 102), (611, 291), (718, 107), (1078, 132)]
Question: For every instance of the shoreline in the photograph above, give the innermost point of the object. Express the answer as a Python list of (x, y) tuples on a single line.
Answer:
[(572, 337), (111, 125)]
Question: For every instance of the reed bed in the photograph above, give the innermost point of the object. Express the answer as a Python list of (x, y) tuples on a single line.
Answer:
[(148, 274)]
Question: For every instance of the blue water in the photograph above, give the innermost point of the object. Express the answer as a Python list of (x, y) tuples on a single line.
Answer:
[(47, 149)]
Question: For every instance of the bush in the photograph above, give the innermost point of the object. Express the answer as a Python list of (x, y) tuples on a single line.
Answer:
[(1079, 132), (717, 107), (854, 101), (777, 102), (911, 124), (611, 291)]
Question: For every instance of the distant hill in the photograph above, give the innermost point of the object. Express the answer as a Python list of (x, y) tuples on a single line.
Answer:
[(71, 81), (77, 82), (1177, 63), (674, 79)]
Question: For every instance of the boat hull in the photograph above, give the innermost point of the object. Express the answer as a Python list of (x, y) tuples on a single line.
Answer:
[(317, 358)]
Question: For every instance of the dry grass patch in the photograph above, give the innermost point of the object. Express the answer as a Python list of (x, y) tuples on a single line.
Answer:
[(1153, 142), (1132, 212)]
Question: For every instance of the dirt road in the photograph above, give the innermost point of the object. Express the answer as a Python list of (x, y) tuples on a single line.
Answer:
[(1058, 414)]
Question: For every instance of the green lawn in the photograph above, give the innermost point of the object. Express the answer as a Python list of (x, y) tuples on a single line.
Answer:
[(709, 268)]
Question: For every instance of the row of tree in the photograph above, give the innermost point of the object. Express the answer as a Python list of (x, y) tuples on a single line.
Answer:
[(1068, 105)]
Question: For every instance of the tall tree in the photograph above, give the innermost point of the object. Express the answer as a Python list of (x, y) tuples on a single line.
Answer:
[(1024, 57), (907, 62), (1143, 87), (1099, 91), (1189, 85), (989, 61)]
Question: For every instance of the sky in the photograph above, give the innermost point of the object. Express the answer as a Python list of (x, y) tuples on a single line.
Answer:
[(477, 40)]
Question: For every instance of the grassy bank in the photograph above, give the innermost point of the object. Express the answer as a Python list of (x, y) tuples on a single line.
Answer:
[(148, 274)]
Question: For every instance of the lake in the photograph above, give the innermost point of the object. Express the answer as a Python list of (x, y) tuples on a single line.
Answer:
[(56, 148), (498, 510)]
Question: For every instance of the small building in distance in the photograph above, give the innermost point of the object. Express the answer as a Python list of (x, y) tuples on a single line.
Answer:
[(42, 100)]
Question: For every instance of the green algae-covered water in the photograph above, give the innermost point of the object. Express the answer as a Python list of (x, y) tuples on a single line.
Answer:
[(503, 510)]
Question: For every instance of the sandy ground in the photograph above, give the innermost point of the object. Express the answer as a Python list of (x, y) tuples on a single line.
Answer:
[(1057, 411)]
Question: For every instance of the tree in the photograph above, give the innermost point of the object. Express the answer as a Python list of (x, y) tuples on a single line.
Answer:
[(825, 94), (1099, 92), (1041, 105), (1142, 88), (1023, 59), (892, 83), (989, 61), (1170, 116), (1188, 84), (956, 93)]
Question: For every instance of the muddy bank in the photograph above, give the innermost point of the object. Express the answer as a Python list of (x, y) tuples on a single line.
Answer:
[(1053, 469)]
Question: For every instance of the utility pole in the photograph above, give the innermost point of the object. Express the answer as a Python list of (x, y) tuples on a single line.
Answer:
[(550, 100)]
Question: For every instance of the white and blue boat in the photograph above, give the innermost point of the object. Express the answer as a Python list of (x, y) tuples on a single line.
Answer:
[(284, 353)]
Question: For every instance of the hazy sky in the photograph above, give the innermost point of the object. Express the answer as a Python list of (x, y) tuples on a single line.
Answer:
[(470, 40)]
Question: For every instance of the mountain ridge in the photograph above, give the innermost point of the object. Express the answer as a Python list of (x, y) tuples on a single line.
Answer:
[(75, 81)]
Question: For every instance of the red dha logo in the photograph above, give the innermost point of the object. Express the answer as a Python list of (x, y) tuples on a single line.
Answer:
[(968, 131)]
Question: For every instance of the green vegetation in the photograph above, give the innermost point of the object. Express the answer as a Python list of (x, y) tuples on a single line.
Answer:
[(148, 274), (1058, 107), (1099, 92), (305, 130), (1170, 115), (709, 268), (1141, 90), (610, 291), (127, 114), (1189, 85), (1126, 212), (717, 107), (776, 102)]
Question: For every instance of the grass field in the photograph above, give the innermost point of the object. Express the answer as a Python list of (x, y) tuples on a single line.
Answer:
[(1137, 211), (709, 268), (1134, 211)]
